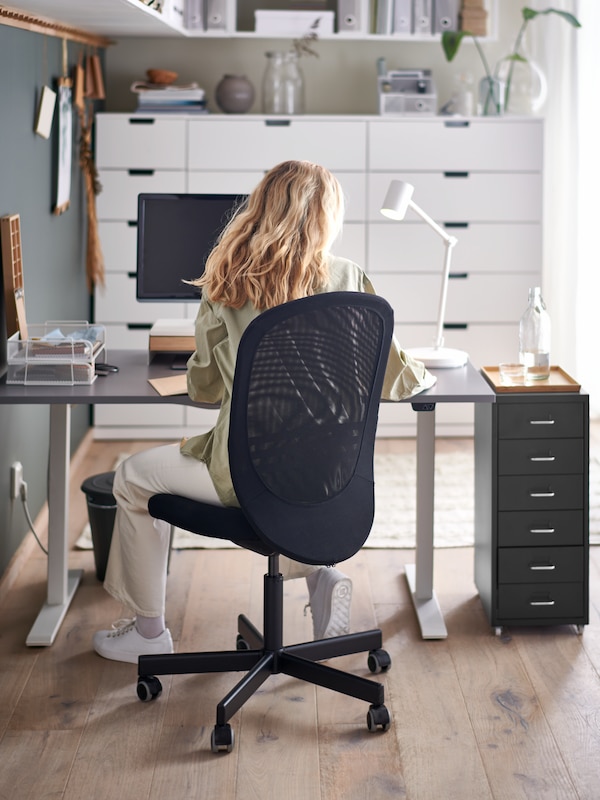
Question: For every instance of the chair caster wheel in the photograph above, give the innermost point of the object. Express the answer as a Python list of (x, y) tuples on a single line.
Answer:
[(148, 688), (221, 739), (379, 661), (378, 716), (241, 643)]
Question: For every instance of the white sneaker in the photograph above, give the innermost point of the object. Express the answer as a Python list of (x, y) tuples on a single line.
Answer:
[(124, 643), (330, 596)]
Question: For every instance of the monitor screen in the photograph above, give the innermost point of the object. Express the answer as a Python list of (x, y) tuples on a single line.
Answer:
[(175, 235)]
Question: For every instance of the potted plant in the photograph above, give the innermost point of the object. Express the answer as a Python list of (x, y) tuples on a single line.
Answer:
[(495, 93)]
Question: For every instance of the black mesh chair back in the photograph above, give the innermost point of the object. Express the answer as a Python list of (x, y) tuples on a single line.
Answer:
[(303, 420), (304, 405)]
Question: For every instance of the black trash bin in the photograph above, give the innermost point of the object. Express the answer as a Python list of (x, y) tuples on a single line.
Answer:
[(102, 508)]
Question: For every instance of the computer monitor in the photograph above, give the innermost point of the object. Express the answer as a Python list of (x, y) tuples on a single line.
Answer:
[(175, 235)]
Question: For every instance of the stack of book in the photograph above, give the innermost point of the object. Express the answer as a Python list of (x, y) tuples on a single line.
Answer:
[(158, 98)]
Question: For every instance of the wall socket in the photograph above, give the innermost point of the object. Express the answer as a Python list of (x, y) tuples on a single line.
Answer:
[(16, 479)]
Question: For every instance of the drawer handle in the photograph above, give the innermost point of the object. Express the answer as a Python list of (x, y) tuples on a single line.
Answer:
[(132, 274), (140, 172), (541, 422), (541, 602), (461, 275), (456, 174), (455, 326), (456, 123), (542, 567), (278, 123), (139, 326), (142, 121), (542, 494), (542, 530), (132, 223), (456, 224), (542, 458)]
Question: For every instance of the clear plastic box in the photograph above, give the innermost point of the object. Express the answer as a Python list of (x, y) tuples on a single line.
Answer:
[(56, 353)]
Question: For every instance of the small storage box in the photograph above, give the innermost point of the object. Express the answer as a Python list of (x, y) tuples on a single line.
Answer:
[(56, 353), (293, 23)]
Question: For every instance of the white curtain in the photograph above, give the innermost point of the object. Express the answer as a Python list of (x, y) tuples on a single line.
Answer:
[(588, 145), (569, 57)]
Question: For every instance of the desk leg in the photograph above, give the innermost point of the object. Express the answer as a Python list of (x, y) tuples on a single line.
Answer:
[(62, 582), (420, 574)]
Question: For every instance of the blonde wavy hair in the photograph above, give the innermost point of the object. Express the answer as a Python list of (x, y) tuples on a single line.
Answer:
[(276, 246)]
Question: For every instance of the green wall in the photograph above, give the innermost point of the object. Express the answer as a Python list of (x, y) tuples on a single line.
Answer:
[(53, 255)]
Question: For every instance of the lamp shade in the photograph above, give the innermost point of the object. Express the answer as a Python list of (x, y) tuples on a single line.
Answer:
[(397, 200)]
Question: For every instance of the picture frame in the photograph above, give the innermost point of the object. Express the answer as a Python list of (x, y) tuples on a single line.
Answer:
[(65, 145)]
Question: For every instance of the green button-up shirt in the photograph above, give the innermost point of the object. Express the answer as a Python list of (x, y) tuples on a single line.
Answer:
[(211, 368)]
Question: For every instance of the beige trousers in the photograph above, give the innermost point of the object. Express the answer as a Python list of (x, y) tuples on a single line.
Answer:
[(136, 574)]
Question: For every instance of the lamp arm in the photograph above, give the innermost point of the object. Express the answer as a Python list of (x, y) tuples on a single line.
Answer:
[(432, 223), (449, 242), (439, 334)]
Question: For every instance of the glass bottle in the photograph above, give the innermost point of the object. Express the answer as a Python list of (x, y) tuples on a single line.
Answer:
[(534, 337), (283, 84)]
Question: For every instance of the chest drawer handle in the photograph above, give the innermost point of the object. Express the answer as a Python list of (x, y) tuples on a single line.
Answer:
[(542, 530), (542, 494), (542, 567), (542, 458), (541, 422), (541, 602)]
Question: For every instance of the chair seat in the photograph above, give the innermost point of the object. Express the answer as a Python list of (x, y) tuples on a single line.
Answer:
[(205, 519)]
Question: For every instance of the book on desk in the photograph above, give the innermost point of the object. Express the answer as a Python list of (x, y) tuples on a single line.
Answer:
[(172, 336)]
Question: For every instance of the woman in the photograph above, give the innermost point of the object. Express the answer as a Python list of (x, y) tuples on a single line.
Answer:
[(276, 248)]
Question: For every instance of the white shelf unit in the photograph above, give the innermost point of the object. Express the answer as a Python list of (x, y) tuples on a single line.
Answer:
[(136, 18), (481, 177)]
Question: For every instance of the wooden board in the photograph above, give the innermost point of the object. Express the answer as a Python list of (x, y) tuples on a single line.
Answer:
[(559, 381), (12, 264)]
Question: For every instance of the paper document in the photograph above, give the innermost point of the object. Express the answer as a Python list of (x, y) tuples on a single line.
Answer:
[(174, 384)]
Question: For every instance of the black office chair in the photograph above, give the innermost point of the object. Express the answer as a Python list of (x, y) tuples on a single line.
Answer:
[(304, 408)]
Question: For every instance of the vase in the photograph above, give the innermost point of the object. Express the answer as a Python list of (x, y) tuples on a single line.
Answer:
[(283, 84), (490, 101), (234, 94), (526, 87)]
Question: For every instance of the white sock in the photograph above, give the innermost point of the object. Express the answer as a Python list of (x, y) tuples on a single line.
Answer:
[(150, 627)]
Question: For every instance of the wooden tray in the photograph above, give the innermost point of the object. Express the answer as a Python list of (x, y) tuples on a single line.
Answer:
[(559, 381)]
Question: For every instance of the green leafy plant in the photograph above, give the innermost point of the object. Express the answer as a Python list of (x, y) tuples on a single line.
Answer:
[(451, 41)]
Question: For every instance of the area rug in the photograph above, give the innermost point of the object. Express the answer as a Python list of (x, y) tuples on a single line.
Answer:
[(395, 506)]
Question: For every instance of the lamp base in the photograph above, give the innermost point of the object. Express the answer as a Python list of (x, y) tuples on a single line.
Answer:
[(439, 357)]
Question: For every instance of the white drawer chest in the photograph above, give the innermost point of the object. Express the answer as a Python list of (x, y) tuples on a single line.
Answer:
[(479, 177)]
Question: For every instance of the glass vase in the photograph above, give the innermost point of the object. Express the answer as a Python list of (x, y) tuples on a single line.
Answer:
[(526, 88), (283, 84), (490, 101)]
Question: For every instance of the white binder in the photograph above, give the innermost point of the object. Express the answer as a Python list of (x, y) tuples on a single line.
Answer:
[(193, 17), (352, 16), (422, 16), (216, 15), (402, 19), (445, 15), (383, 21)]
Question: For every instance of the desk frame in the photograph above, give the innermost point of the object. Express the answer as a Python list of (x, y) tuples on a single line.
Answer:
[(130, 385)]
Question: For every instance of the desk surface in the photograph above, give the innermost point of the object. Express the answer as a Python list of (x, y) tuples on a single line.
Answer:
[(130, 385)]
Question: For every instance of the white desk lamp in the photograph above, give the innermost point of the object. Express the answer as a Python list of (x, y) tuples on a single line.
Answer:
[(397, 200)]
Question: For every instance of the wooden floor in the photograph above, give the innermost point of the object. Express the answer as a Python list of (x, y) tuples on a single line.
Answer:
[(475, 716)]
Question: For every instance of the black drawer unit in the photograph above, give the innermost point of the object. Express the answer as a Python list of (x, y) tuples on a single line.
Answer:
[(531, 508)]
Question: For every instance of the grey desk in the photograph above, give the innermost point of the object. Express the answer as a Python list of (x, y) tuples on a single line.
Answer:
[(461, 385), (130, 385)]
